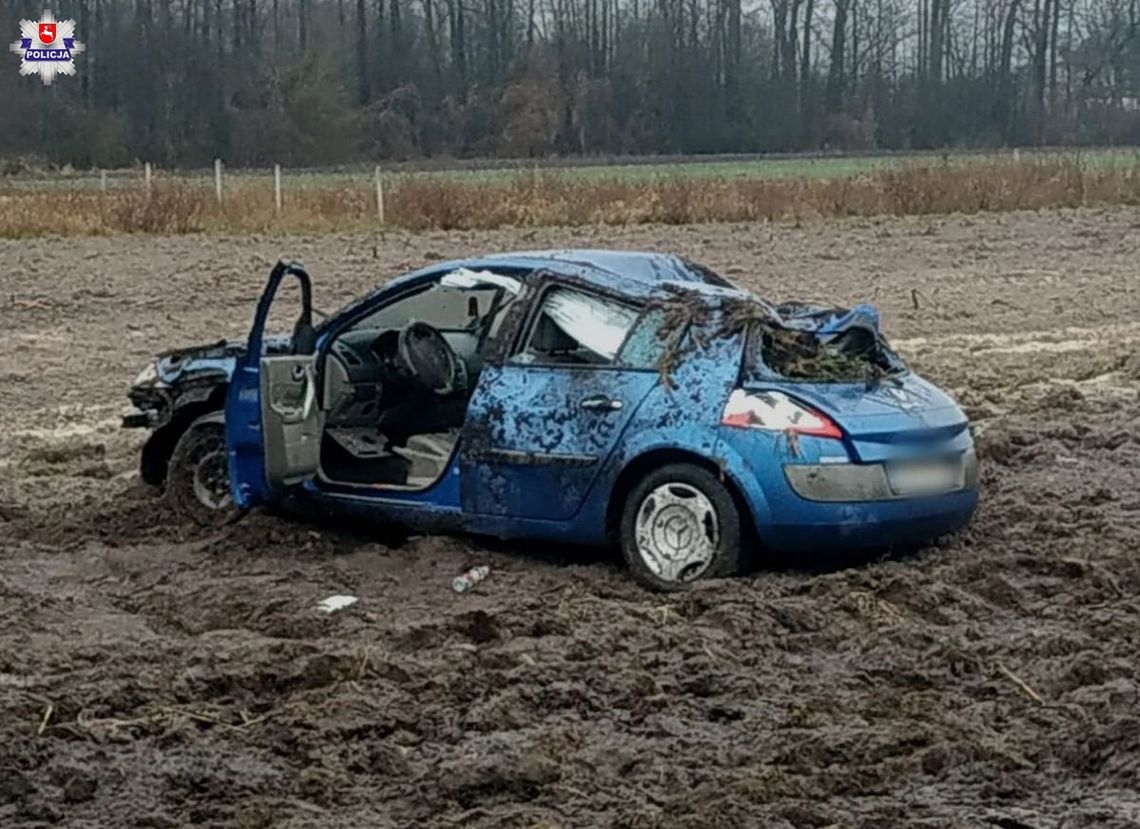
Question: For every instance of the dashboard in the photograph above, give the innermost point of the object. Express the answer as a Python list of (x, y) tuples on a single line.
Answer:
[(363, 365)]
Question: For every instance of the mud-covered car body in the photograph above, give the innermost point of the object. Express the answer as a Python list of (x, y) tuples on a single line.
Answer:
[(571, 377)]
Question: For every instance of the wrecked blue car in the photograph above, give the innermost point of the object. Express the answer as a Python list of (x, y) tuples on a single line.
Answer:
[(592, 397)]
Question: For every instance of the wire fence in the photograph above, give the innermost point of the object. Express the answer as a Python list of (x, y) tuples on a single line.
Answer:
[(775, 165), (138, 177)]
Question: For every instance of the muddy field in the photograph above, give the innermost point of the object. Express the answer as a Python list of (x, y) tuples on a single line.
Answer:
[(154, 676)]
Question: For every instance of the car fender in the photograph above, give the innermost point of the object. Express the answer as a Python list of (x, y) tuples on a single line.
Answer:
[(702, 442), (173, 407), (681, 416), (159, 445), (217, 416)]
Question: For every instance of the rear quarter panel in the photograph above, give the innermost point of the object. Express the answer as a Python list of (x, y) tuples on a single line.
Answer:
[(679, 416)]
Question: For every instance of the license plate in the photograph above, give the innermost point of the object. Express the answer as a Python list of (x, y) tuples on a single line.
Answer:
[(926, 477)]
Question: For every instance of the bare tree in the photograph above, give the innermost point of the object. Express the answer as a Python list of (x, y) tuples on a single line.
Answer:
[(253, 80)]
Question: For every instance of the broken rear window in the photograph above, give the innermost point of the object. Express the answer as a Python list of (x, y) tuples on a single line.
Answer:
[(819, 344)]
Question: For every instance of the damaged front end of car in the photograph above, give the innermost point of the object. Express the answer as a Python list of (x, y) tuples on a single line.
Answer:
[(178, 387), (179, 378)]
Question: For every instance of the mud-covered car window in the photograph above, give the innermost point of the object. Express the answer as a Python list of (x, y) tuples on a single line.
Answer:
[(574, 328), (645, 343)]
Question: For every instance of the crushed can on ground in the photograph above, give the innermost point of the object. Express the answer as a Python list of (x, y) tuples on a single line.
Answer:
[(468, 579)]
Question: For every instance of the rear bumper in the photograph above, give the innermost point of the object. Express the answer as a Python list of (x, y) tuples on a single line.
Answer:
[(846, 482), (832, 503), (823, 527)]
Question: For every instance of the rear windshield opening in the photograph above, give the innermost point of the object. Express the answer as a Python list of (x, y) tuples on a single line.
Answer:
[(855, 355)]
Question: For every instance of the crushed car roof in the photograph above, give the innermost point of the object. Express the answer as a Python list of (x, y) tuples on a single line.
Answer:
[(650, 268), (635, 273)]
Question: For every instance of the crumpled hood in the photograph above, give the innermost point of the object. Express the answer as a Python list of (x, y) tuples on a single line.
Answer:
[(219, 357), (211, 359)]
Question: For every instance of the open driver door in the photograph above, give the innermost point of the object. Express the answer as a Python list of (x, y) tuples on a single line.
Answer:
[(274, 421)]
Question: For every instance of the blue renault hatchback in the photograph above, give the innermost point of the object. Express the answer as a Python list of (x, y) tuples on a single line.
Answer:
[(592, 397)]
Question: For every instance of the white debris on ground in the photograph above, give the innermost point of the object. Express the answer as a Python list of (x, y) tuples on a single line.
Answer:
[(335, 603)]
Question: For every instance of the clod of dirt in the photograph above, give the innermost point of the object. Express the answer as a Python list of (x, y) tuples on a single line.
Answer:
[(79, 787), (98, 471), (477, 781), (11, 512), (66, 452), (1130, 365), (14, 786), (478, 626), (1004, 446), (40, 811)]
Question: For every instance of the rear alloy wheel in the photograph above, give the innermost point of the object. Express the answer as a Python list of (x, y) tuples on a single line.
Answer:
[(680, 524), (198, 476)]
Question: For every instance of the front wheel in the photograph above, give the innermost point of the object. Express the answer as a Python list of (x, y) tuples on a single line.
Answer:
[(198, 476), (680, 523)]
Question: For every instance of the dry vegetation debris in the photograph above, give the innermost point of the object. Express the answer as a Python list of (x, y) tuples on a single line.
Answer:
[(535, 200)]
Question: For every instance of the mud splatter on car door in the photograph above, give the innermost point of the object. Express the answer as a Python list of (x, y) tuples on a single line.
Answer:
[(544, 431), (547, 419)]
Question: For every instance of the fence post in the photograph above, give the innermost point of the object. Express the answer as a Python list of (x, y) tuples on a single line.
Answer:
[(277, 186), (218, 179), (103, 180), (379, 196), (147, 176), (1016, 155)]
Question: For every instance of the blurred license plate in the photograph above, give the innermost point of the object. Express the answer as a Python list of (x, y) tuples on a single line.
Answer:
[(926, 477)]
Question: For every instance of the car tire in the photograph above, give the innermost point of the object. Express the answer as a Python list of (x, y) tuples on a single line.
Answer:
[(197, 477), (679, 524)]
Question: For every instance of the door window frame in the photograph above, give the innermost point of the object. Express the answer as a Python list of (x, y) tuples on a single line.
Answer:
[(379, 299), (526, 330)]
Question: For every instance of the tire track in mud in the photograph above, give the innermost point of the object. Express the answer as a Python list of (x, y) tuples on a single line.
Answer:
[(153, 675)]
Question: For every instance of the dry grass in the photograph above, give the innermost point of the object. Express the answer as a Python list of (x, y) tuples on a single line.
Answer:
[(420, 203)]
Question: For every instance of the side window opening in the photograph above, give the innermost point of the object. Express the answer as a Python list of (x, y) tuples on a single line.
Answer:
[(448, 309), (574, 328), (284, 310)]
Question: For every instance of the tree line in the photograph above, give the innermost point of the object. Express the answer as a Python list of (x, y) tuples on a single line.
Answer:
[(320, 82)]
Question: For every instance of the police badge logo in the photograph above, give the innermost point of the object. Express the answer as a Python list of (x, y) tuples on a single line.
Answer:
[(47, 47)]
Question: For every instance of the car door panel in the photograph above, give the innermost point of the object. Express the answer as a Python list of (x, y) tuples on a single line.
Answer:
[(271, 413), (292, 421), (537, 437)]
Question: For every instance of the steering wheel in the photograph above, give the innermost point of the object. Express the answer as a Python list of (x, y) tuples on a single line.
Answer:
[(430, 359)]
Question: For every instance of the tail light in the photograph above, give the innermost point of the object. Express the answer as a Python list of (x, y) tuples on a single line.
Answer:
[(775, 411)]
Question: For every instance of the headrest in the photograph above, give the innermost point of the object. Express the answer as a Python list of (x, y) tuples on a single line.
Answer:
[(548, 337)]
